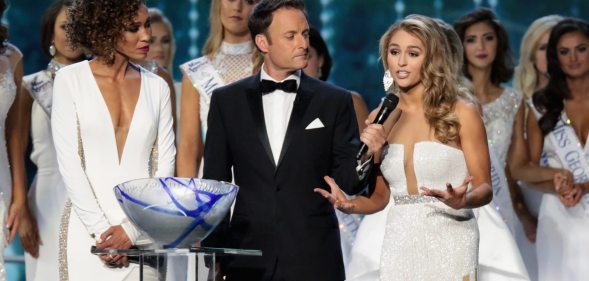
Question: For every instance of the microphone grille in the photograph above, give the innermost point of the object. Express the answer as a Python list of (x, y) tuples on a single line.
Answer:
[(390, 101)]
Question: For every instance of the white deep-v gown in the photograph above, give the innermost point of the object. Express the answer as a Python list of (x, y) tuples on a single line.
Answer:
[(89, 164)]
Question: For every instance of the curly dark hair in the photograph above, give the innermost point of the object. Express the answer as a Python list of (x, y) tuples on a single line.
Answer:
[(97, 25), (502, 68), (550, 100)]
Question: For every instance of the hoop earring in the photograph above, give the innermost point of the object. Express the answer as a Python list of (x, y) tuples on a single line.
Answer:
[(52, 50), (387, 80)]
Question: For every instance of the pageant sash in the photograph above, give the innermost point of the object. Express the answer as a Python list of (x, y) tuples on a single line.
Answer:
[(569, 151), (205, 79), (568, 148), (501, 193), (40, 87)]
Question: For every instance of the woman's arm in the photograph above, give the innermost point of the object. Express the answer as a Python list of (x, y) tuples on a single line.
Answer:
[(166, 141), (28, 231), (64, 127), (161, 72), (190, 144), (359, 205), (524, 155), (16, 146), (473, 140)]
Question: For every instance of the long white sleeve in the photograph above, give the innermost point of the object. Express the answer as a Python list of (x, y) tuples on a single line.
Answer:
[(166, 143), (64, 128)]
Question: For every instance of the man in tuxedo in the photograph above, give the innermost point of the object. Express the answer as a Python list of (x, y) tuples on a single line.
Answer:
[(282, 132)]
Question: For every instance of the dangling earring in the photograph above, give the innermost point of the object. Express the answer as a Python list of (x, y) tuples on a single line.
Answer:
[(387, 80), (52, 50)]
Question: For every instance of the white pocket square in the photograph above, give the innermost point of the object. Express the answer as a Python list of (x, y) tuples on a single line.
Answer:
[(316, 124)]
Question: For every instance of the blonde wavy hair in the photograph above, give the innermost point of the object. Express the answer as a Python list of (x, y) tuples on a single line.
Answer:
[(215, 38), (438, 74), (526, 75), (456, 61)]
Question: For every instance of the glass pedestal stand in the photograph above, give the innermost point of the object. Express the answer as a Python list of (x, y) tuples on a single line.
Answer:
[(192, 264)]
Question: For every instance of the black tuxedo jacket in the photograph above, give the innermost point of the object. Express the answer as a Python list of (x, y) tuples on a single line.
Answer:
[(276, 209)]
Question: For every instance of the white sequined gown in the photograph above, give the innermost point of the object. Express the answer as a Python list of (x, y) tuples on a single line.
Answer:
[(90, 167), (499, 255), (425, 239), (8, 60)]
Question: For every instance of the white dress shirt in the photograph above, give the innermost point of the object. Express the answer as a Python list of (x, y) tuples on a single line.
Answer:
[(277, 109)]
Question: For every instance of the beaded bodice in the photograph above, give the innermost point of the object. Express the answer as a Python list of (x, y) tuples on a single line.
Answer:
[(499, 116)]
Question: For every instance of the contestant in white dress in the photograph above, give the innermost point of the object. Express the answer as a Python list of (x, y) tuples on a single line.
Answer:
[(435, 170), (228, 55), (530, 76), (111, 122), (488, 63), (47, 195), (12, 180), (560, 112)]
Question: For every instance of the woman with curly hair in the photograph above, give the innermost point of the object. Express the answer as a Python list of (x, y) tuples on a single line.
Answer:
[(228, 55), (111, 122), (12, 169), (435, 168)]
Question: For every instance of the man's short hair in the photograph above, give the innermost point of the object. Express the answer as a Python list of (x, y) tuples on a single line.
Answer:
[(261, 17)]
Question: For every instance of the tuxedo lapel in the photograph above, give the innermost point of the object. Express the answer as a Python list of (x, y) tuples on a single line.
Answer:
[(254, 98), (301, 102)]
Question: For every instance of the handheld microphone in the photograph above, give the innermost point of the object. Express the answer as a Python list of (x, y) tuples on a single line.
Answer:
[(388, 105)]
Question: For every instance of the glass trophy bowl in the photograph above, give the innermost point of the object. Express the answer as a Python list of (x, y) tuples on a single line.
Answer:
[(175, 212)]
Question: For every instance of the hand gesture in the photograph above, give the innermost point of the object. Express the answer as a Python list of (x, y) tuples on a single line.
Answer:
[(337, 197), (29, 233), (114, 237), (453, 197), (373, 136)]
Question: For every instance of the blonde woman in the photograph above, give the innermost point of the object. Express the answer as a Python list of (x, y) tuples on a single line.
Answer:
[(228, 55), (531, 75), (435, 168), (162, 47), (532, 72)]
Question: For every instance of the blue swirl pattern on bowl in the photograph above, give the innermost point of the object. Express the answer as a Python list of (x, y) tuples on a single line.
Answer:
[(175, 212)]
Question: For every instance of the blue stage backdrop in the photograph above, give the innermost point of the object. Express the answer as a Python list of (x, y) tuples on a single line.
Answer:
[(351, 28)]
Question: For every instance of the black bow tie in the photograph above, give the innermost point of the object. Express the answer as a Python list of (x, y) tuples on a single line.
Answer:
[(268, 86)]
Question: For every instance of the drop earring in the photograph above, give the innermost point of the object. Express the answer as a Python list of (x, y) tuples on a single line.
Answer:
[(52, 50), (387, 80)]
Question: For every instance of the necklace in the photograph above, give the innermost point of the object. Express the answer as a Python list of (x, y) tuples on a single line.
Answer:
[(53, 67)]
